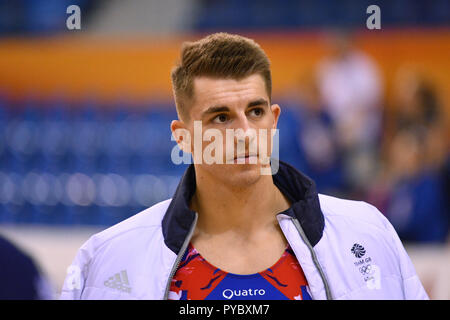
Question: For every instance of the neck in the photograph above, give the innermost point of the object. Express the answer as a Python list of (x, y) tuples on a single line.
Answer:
[(242, 209)]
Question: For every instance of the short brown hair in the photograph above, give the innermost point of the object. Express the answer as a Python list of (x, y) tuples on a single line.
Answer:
[(219, 55)]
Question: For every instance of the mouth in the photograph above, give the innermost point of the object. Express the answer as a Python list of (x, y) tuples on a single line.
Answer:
[(246, 158)]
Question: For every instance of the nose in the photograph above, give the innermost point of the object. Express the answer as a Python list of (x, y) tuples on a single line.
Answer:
[(241, 122), (243, 129)]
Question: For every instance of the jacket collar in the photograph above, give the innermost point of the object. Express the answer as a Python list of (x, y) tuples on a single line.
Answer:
[(297, 187)]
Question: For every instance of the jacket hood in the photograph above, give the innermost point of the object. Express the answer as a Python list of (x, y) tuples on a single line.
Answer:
[(297, 187)]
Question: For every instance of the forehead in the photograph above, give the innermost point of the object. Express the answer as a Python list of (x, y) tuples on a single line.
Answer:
[(212, 91)]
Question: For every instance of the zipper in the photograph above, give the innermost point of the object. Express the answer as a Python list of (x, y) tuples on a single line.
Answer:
[(180, 256), (314, 257)]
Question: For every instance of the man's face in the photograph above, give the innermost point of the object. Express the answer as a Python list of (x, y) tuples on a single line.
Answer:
[(241, 109)]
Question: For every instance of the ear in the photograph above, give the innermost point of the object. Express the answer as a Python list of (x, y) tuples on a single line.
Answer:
[(181, 135), (276, 111)]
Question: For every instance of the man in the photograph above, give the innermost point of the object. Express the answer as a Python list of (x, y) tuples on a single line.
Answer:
[(350, 87), (232, 231)]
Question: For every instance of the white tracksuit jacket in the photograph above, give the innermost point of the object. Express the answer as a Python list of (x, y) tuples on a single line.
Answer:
[(347, 249)]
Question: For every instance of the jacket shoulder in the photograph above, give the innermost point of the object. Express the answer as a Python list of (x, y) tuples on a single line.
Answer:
[(352, 222), (360, 211), (149, 218), (114, 250)]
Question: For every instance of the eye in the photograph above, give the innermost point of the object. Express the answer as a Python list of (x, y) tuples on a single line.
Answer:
[(221, 118), (257, 112)]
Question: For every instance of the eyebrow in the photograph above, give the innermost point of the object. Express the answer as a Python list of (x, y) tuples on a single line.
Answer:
[(258, 102), (221, 108)]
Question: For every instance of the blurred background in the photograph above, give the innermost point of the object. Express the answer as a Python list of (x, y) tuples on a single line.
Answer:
[(84, 114)]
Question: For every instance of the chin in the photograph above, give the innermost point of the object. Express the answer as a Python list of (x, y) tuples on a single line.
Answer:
[(241, 175), (233, 175)]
